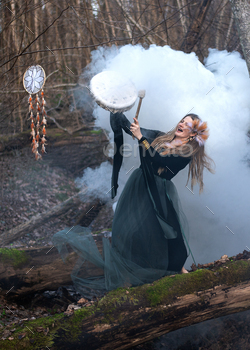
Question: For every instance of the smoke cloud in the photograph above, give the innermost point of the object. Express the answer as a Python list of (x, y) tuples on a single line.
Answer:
[(218, 91)]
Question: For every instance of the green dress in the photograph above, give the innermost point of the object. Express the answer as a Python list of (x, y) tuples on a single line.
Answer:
[(149, 230)]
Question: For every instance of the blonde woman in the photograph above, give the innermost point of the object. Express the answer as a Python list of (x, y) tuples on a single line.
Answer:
[(149, 226), (149, 229)]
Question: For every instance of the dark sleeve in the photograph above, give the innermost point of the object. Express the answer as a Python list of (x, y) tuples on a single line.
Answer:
[(118, 121), (172, 162)]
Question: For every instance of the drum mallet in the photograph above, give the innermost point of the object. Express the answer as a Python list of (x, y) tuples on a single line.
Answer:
[(141, 95)]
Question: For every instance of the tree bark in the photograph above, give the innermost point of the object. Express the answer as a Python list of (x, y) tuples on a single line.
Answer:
[(128, 317), (145, 324), (37, 17), (241, 10), (21, 140), (182, 16), (36, 270), (218, 33), (229, 30), (192, 36), (110, 20)]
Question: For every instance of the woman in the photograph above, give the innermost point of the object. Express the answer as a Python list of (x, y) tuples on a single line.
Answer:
[(157, 239), (149, 230)]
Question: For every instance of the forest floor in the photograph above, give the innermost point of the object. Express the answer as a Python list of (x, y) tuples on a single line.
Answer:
[(29, 187)]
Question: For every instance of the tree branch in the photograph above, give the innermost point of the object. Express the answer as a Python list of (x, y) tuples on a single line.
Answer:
[(32, 42)]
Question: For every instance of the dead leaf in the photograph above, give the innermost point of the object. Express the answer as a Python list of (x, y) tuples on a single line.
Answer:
[(46, 331), (21, 336), (82, 301), (40, 329)]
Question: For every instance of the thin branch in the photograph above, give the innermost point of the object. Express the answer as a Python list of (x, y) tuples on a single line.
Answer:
[(134, 22), (47, 88), (32, 42)]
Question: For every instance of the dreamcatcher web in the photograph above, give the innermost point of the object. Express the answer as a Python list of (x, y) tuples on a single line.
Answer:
[(34, 79)]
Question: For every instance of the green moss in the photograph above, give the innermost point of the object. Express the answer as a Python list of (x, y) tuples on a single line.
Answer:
[(119, 299), (96, 131), (114, 306), (101, 231), (30, 329), (168, 288), (91, 132), (14, 257), (73, 327)]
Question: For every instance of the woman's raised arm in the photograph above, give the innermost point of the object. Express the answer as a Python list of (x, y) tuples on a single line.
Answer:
[(119, 121)]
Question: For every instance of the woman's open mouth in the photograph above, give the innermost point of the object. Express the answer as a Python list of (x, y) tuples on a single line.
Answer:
[(179, 130)]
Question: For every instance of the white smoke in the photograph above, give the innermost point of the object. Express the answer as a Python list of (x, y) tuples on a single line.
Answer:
[(219, 92), (97, 181)]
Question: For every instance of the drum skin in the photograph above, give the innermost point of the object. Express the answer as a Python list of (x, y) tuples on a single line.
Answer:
[(113, 91)]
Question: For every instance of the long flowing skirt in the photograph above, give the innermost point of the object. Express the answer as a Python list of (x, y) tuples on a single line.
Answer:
[(141, 251)]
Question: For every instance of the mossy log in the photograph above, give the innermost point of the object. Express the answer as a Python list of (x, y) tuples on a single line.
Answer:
[(131, 316), (21, 140), (27, 271)]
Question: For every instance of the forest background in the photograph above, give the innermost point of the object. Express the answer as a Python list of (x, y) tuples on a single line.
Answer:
[(60, 35)]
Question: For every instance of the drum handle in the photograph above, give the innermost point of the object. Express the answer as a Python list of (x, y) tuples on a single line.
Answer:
[(138, 108), (141, 95)]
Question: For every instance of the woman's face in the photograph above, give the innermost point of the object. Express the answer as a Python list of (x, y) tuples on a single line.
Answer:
[(183, 131)]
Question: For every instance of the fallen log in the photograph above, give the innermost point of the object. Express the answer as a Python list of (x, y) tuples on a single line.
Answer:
[(22, 139), (37, 220), (27, 271), (130, 316)]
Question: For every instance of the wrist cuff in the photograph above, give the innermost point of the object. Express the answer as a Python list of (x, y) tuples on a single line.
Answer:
[(145, 142)]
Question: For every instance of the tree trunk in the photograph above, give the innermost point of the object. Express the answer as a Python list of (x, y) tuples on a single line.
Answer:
[(192, 36), (27, 271), (110, 21), (141, 325), (241, 10), (128, 317), (229, 30), (218, 33), (182, 16), (128, 18), (36, 18)]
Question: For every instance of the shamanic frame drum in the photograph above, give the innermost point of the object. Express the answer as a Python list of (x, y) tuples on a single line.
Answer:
[(113, 92)]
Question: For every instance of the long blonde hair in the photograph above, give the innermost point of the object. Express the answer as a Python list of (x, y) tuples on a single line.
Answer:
[(199, 158)]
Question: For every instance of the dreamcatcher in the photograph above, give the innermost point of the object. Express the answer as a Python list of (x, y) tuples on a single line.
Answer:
[(33, 82)]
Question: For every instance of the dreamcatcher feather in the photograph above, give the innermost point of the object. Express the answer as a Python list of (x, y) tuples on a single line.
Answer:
[(33, 82)]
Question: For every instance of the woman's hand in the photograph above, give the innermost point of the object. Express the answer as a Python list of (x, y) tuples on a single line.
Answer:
[(135, 129)]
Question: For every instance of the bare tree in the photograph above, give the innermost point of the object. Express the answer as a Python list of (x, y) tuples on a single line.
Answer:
[(241, 10), (192, 36), (60, 35)]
